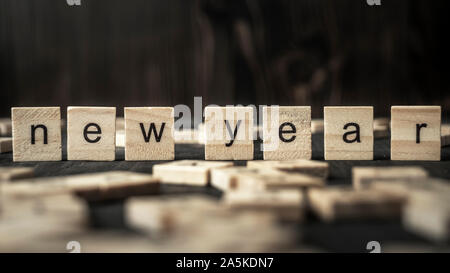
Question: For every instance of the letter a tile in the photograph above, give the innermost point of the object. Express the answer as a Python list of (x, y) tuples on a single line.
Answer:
[(91, 133), (149, 133), (348, 133), (36, 134), (228, 133)]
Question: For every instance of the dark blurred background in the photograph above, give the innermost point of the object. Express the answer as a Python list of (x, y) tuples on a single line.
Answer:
[(164, 52)]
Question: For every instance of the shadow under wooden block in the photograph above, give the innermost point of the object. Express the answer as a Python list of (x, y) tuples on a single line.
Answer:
[(416, 133), (364, 176), (287, 132), (229, 133), (36, 134), (91, 133), (187, 172), (348, 133), (149, 133)]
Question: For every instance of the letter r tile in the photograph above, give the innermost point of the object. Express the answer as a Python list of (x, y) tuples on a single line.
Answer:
[(149, 133), (348, 133), (36, 133), (416, 133), (91, 133), (228, 133)]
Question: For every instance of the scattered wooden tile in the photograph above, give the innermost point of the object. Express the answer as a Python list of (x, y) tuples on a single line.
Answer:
[(309, 167), (120, 124), (288, 204), (5, 127), (287, 132), (13, 173), (348, 133), (381, 121), (405, 188), (416, 133), (36, 134), (229, 179), (149, 133), (343, 203), (229, 133), (102, 185), (445, 135), (187, 172), (120, 138), (380, 131), (91, 133), (364, 176), (5, 145), (317, 126)]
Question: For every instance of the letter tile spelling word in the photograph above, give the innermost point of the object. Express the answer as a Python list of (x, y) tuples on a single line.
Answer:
[(149, 133), (348, 133), (36, 134), (91, 133), (416, 133)]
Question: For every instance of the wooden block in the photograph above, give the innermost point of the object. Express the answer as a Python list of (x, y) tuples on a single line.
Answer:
[(289, 204), (445, 135), (416, 133), (5, 127), (348, 133), (287, 132), (13, 173), (317, 126), (277, 180), (36, 134), (186, 136), (230, 179), (5, 145), (187, 172), (364, 176), (344, 203), (405, 188), (101, 185), (120, 138), (149, 133), (229, 133), (309, 167), (91, 133)]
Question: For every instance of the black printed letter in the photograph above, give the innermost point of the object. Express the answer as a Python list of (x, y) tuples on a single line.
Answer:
[(86, 131), (418, 127), (357, 138), (231, 133), (148, 135), (293, 130), (33, 133)]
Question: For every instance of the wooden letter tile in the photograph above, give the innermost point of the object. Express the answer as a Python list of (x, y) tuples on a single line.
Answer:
[(287, 132), (36, 134), (348, 133), (416, 133), (91, 133), (364, 176), (187, 172), (149, 133), (5, 145), (228, 133)]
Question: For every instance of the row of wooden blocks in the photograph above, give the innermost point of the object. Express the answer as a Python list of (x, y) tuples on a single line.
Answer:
[(228, 133), (286, 188)]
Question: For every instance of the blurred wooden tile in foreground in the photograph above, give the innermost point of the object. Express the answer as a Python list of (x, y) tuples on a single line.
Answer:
[(363, 176), (187, 172), (13, 173), (231, 179), (5, 145), (309, 167), (343, 203)]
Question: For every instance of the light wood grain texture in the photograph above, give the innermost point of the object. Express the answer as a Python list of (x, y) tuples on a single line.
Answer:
[(445, 135), (231, 179), (5, 144), (13, 173), (288, 204), (287, 132), (220, 142), (343, 203), (187, 172), (317, 126), (149, 133), (95, 185), (5, 127), (41, 125), (340, 121), (120, 138), (101, 146), (410, 139), (309, 167), (364, 176)]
